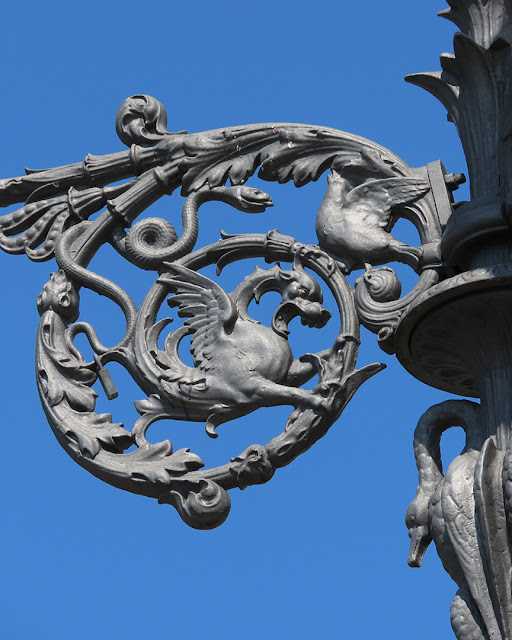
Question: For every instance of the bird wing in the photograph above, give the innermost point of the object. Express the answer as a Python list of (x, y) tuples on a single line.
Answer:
[(458, 505), (209, 309), (379, 197)]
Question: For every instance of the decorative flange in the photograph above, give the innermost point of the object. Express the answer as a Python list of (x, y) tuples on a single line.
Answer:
[(445, 338)]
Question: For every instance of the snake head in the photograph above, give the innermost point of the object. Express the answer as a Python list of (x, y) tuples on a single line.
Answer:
[(252, 200)]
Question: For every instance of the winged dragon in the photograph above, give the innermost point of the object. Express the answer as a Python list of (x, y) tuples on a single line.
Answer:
[(239, 363)]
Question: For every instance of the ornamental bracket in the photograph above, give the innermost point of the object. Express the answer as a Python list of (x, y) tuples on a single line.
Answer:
[(451, 330)]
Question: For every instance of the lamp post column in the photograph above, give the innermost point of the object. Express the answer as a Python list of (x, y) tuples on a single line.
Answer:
[(457, 336)]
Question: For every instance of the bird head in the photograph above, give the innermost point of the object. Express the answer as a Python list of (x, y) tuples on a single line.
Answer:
[(416, 520), (338, 186)]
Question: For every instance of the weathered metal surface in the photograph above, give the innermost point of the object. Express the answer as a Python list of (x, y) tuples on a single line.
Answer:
[(456, 335), (239, 365), (450, 331)]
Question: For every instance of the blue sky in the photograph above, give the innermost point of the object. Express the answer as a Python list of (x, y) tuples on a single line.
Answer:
[(321, 550)]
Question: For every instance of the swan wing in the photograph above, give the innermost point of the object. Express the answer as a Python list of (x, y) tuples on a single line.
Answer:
[(458, 504), (209, 310)]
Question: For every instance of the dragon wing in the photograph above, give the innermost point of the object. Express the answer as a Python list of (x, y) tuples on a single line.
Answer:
[(209, 309), (379, 197)]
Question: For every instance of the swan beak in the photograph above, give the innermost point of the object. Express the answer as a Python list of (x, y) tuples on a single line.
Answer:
[(420, 539)]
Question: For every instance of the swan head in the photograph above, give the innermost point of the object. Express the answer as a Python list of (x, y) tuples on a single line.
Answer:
[(416, 520)]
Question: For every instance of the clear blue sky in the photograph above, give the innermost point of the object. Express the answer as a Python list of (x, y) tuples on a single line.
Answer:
[(321, 550)]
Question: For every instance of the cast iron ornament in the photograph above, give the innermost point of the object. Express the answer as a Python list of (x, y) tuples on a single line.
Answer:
[(240, 365), (452, 330)]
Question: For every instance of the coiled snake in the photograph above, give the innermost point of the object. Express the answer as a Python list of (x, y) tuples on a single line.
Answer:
[(148, 244)]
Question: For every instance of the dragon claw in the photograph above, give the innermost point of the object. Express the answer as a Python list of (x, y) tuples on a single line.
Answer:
[(312, 400)]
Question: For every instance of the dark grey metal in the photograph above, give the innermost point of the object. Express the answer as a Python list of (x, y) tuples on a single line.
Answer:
[(456, 336), (452, 330), (354, 224), (239, 365)]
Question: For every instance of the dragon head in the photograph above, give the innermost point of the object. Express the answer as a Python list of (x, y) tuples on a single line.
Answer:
[(59, 296), (301, 296)]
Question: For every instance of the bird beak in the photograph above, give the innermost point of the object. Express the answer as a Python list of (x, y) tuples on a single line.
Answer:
[(420, 539)]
